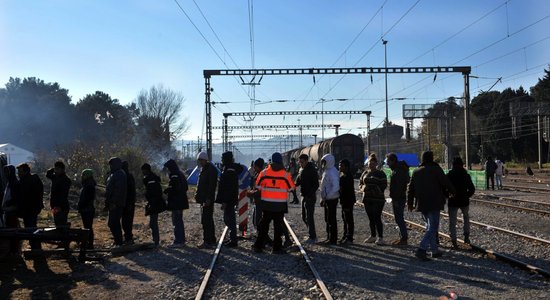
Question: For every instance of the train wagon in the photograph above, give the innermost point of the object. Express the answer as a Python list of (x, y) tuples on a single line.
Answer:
[(347, 146)]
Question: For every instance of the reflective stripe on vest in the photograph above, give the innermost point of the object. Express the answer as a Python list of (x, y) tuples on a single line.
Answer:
[(273, 186)]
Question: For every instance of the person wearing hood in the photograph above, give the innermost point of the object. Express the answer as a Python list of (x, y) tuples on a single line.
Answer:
[(308, 181), (130, 207), (398, 193), (155, 201), (274, 184), (32, 191), (205, 196), (115, 198), (86, 206), (373, 182), (330, 192), (428, 187), (59, 194), (465, 189), (228, 195), (177, 200), (347, 200), (10, 204)]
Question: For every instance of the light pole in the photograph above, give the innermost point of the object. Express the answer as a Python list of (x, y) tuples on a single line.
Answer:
[(386, 81)]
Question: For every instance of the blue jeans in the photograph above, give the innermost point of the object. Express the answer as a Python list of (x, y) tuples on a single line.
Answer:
[(399, 211), (499, 181), (179, 228), (453, 212), (230, 221), (432, 228), (154, 225)]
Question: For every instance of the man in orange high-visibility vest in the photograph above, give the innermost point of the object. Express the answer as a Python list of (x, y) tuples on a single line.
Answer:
[(273, 184)]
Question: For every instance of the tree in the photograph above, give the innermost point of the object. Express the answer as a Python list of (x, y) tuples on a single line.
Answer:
[(35, 114), (158, 116)]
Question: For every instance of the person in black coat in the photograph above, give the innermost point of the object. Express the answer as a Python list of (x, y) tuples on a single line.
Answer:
[(228, 195), (155, 201), (10, 204), (130, 207), (59, 194), (86, 205), (465, 189), (32, 191), (347, 200), (205, 196), (115, 198), (308, 180), (177, 200)]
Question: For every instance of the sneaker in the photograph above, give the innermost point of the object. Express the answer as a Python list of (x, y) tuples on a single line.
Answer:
[(205, 245), (467, 240), (421, 255), (399, 243), (455, 244), (310, 241), (176, 245), (370, 240), (380, 242), (438, 254), (231, 244)]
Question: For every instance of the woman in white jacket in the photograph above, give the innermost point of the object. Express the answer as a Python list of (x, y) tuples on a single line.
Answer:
[(330, 187)]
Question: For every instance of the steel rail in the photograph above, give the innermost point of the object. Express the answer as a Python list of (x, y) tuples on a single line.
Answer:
[(546, 212), (514, 199), (529, 237), (490, 253), (318, 279), (526, 188), (209, 271)]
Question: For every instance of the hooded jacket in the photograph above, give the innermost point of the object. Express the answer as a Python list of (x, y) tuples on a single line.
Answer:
[(32, 191), (12, 192), (117, 188), (153, 194), (206, 187), (330, 181), (59, 194), (308, 180), (131, 186), (347, 190), (463, 185), (399, 180), (177, 187), (228, 187), (87, 196), (428, 186)]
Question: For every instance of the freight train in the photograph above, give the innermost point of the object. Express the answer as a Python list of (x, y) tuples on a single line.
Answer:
[(347, 146)]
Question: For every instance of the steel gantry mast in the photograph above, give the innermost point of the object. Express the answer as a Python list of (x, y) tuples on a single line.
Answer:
[(465, 70)]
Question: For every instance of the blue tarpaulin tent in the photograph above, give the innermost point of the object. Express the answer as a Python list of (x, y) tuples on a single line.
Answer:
[(410, 158), (193, 178)]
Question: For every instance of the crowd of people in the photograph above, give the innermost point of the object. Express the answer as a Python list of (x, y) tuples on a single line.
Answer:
[(426, 191)]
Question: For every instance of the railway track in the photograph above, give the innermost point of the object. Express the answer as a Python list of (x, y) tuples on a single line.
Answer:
[(320, 283), (511, 232), (544, 212), (490, 253), (526, 188), (514, 199)]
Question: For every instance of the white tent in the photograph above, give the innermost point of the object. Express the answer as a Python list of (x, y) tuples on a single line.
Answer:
[(16, 155)]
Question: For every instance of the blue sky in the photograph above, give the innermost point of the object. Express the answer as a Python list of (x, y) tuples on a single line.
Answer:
[(122, 47)]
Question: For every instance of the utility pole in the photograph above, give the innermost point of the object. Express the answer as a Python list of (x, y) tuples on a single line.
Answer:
[(386, 123)]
